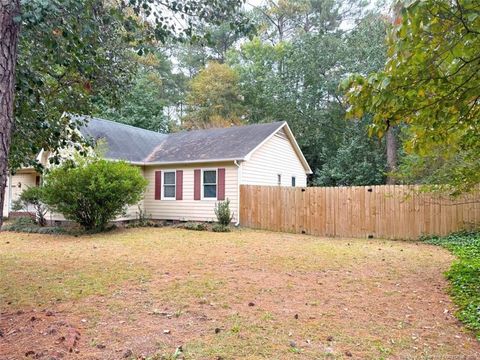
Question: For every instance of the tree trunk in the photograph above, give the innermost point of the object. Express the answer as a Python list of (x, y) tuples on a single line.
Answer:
[(9, 30), (391, 154)]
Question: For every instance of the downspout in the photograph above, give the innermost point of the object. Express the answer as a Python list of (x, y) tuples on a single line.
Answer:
[(238, 191), (143, 200)]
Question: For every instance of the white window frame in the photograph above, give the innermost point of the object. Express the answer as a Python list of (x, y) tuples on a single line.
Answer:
[(279, 179), (174, 184), (294, 180), (216, 184)]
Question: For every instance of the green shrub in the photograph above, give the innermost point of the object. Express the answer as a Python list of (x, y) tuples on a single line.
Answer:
[(28, 225), (49, 230), (93, 191), (464, 275), (223, 213), (220, 228), (32, 196), (22, 222), (195, 226)]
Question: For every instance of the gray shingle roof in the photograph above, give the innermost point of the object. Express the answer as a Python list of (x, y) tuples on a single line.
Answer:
[(124, 142), (212, 144), (133, 144)]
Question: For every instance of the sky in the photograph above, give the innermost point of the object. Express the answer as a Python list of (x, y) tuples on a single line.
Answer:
[(252, 3)]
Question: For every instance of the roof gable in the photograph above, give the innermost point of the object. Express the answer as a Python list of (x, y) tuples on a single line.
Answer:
[(285, 132)]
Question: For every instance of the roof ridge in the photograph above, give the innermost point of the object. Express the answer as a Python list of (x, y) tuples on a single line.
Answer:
[(230, 127)]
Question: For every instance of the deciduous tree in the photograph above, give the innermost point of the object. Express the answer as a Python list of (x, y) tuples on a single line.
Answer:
[(298, 79), (214, 99), (154, 91), (431, 82)]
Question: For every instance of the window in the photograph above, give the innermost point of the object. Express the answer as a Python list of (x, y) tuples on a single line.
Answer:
[(169, 185), (210, 184), (279, 179), (294, 181)]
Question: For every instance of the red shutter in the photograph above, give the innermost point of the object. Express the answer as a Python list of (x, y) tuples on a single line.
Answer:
[(179, 185), (158, 185), (196, 184), (221, 184)]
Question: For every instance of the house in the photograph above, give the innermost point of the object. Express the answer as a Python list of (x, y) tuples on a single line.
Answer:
[(188, 172)]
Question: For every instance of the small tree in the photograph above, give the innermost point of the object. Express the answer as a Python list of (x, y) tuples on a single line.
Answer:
[(214, 99), (32, 196), (93, 191), (430, 84), (223, 213)]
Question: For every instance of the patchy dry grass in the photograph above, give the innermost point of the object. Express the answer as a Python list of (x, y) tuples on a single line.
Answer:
[(246, 294), (39, 272)]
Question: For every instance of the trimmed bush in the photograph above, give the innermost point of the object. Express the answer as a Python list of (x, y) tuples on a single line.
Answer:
[(93, 192), (223, 213)]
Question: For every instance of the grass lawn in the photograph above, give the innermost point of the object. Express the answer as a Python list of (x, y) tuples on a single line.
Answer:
[(165, 293)]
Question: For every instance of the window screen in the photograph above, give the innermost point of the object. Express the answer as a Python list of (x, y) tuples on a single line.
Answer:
[(210, 184)]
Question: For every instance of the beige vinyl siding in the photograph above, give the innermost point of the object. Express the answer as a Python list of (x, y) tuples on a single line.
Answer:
[(189, 209), (132, 212), (53, 216), (19, 182), (275, 156)]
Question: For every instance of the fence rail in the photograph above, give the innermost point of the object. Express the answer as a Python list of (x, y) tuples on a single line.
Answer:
[(387, 211)]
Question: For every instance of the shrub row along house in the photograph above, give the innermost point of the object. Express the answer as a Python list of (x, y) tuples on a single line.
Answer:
[(188, 172)]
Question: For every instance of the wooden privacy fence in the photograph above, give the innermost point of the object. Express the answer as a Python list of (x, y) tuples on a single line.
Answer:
[(387, 211)]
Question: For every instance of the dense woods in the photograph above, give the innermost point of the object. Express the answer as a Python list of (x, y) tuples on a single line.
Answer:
[(287, 65)]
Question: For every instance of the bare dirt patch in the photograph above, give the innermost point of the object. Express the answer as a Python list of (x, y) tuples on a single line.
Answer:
[(170, 293)]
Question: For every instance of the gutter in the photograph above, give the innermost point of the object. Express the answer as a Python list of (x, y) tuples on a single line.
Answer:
[(149, 163)]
